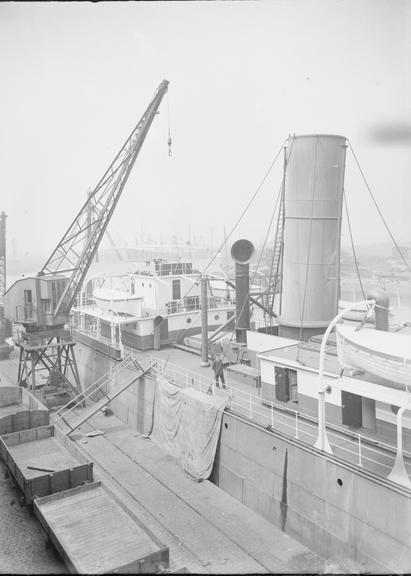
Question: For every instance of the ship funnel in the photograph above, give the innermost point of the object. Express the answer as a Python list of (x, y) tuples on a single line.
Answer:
[(242, 252), (312, 227)]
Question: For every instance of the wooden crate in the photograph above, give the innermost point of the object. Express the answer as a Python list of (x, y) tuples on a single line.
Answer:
[(38, 447), (96, 534)]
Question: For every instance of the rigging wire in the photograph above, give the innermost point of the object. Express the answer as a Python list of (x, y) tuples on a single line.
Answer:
[(282, 206), (278, 198), (378, 209), (226, 239), (256, 268), (245, 209), (352, 244)]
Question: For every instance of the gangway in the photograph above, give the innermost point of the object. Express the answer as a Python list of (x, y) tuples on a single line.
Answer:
[(131, 361)]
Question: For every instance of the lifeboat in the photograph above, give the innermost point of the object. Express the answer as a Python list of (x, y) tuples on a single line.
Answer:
[(118, 301), (383, 354), (357, 314)]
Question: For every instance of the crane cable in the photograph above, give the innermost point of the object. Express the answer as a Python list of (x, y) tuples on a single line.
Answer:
[(169, 141), (378, 209)]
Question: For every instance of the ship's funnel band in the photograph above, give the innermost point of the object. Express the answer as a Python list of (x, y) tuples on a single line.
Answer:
[(312, 324), (242, 251)]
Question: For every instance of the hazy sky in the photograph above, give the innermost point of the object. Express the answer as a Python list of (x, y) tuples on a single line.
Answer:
[(76, 78)]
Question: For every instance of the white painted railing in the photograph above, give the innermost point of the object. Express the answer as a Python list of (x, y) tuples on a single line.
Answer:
[(355, 448)]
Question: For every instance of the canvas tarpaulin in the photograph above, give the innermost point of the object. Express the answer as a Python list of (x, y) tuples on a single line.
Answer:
[(187, 422)]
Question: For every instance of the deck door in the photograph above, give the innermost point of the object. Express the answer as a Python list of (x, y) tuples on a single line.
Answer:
[(351, 405), (176, 290)]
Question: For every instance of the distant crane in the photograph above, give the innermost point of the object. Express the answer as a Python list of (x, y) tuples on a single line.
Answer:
[(41, 305), (5, 349)]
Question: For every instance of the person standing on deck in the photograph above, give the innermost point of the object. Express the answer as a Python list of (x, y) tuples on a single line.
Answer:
[(218, 368)]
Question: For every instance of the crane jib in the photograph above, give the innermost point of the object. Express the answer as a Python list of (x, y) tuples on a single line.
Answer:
[(76, 249)]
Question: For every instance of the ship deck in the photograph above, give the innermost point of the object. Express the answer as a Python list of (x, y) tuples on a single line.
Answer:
[(378, 448)]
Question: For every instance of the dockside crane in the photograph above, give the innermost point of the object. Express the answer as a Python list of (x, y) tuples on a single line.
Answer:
[(40, 306)]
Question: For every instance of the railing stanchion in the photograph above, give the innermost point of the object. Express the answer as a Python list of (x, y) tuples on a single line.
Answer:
[(359, 451), (296, 425), (251, 406), (272, 415)]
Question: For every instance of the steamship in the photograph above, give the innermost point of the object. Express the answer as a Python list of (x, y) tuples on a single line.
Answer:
[(159, 304), (360, 373)]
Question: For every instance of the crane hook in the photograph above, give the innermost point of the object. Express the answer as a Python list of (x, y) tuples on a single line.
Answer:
[(169, 142)]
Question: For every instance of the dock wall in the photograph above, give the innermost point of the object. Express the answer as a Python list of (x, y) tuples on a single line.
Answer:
[(135, 405), (335, 509)]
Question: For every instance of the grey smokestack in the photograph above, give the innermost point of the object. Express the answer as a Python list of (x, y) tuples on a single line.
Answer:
[(242, 252), (312, 228)]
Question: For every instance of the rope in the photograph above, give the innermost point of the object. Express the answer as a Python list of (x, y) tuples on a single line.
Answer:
[(378, 209), (352, 244)]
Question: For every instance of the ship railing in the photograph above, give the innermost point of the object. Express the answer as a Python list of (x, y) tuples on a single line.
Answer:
[(358, 449), (176, 306)]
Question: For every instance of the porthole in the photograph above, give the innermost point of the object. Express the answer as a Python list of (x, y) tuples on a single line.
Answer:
[(226, 425), (149, 285), (216, 317), (142, 283), (188, 320), (339, 482)]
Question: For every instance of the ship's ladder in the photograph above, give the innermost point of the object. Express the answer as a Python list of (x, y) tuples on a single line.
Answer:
[(274, 283), (102, 392)]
